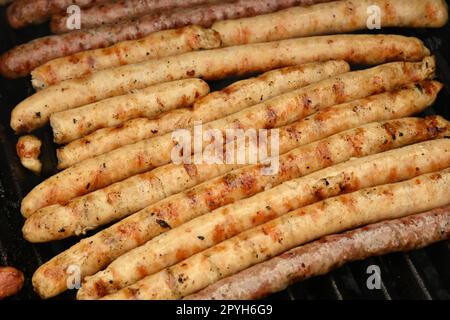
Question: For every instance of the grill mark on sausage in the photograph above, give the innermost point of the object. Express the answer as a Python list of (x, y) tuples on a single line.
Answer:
[(339, 92), (218, 234), (182, 254), (271, 118), (357, 141), (191, 170), (101, 288), (324, 153), (431, 11), (391, 130), (273, 232)]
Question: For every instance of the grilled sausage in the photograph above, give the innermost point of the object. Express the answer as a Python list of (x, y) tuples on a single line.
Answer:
[(156, 45), (11, 281), (218, 104), (221, 224), (333, 17), (256, 245), (24, 12), (331, 252), (96, 252), (101, 171), (149, 102)]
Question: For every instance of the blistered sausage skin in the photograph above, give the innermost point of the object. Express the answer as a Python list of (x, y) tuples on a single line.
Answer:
[(80, 214), (300, 226), (95, 173), (331, 252), (96, 252), (35, 111), (181, 242)]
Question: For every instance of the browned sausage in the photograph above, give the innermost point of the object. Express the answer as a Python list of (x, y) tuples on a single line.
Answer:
[(24, 12), (329, 253), (154, 46), (11, 281)]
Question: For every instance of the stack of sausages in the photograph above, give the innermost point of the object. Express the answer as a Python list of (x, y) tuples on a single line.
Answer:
[(350, 152), (147, 17)]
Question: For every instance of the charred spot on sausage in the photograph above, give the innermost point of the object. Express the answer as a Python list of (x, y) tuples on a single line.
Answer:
[(163, 224)]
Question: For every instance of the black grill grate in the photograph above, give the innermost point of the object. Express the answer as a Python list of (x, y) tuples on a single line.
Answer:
[(422, 274)]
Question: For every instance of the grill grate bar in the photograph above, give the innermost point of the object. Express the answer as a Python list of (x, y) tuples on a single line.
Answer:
[(290, 293), (439, 256), (336, 288), (386, 294), (417, 277), (430, 274)]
